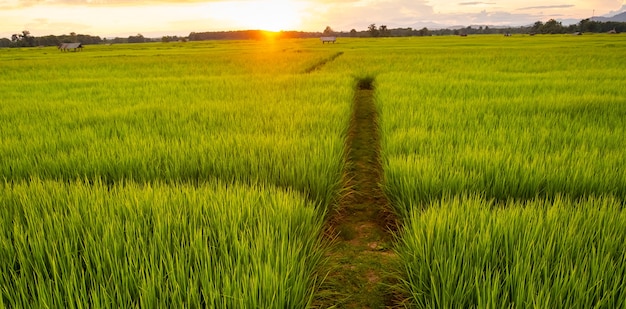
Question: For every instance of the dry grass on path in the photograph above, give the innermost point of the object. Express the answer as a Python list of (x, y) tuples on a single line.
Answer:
[(361, 257)]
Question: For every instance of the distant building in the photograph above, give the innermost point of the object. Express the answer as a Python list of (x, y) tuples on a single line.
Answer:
[(71, 46)]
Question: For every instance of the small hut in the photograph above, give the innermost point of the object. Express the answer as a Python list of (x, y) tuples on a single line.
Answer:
[(328, 39), (71, 46)]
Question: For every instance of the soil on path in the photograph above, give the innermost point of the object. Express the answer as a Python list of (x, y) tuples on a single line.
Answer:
[(361, 255)]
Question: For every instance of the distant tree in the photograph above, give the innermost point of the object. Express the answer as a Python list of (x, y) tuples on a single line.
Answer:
[(571, 28), (73, 35), (88, 39), (552, 26), (583, 25), (329, 31), (165, 39), (596, 26), (353, 33), (49, 40), (383, 30), (537, 27), (23, 39), (373, 30), (424, 32), (619, 27), (118, 40), (136, 39), (587, 25), (4, 42), (25, 34)]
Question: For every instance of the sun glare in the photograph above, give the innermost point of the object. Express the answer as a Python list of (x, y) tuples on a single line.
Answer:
[(271, 15)]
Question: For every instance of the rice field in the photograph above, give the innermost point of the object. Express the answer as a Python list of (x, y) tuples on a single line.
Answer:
[(193, 175), (506, 160), (468, 251), (506, 122), (79, 244), (199, 174), (176, 117)]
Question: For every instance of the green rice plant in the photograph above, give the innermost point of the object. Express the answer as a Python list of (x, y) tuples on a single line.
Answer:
[(78, 244), (505, 158), (519, 119), (239, 112), (472, 252), (182, 175)]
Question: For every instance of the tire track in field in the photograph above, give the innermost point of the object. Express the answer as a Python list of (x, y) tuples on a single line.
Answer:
[(360, 258), (322, 62)]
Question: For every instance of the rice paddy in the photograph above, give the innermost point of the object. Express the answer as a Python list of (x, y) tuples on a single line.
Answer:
[(507, 165), (166, 177), (201, 174)]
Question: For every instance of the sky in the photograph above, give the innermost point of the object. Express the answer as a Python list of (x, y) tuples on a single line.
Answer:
[(154, 18)]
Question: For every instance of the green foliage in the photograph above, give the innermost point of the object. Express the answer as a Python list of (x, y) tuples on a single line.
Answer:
[(244, 114), (469, 252), (504, 123), (508, 168), (76, 244), (130, 171), (178, 175)]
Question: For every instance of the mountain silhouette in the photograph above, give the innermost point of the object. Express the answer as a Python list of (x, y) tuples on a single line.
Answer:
[(621, 17)]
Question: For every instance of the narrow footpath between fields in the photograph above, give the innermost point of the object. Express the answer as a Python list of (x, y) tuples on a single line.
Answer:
[(361, 256)]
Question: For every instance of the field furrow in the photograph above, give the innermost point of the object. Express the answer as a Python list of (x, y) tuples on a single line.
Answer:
[(361, 260)]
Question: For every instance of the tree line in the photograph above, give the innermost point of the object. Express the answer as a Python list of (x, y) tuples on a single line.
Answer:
[(550, 27), (25, 39), (586, 25)]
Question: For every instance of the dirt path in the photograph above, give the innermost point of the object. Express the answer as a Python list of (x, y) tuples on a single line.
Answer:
[(361, 256)]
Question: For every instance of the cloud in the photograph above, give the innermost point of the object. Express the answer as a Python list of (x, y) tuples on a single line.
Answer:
[(41, 26), (500, 18), (620, 10), (476, 3), (360, 14), (564, 6), (125, 17), (111, 3), (418, 14)]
